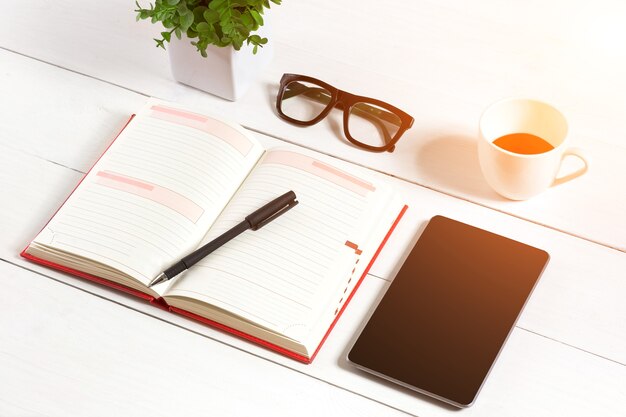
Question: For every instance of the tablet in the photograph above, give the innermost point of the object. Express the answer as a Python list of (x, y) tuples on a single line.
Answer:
[(447, 314)]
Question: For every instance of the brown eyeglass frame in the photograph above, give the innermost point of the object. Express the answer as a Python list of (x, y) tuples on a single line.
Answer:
[(343, 100)]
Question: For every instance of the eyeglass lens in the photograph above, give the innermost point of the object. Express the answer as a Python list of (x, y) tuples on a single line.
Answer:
[(304, 101), (372, 125)]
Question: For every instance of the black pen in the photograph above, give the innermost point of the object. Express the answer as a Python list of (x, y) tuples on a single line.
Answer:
[(254, 221)]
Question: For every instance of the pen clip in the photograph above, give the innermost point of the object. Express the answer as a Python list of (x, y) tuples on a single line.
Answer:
[(272, 210), (282, 211)]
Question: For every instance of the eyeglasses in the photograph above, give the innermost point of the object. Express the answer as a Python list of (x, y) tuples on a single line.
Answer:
[(368, 123)]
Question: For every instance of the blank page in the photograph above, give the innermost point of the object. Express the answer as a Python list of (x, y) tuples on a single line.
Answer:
[(155, 192), (286, 274)]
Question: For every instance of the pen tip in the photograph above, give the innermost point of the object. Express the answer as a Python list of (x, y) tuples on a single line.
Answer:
[(158, 279)]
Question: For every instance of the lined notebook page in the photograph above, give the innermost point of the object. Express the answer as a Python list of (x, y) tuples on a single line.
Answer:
[(155, 192), (286, 274)]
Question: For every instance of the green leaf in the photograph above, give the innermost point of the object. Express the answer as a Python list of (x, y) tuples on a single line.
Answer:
[(172, 2), (247, 19), (182, 8), (166, 35), (257, 17), (186, 20), (216, 4), (211, 16), (198, 13), (203, 27), (178, 33), (159, 43)]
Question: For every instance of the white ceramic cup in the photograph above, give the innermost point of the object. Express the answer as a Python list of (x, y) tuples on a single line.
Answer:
[(521, 176)]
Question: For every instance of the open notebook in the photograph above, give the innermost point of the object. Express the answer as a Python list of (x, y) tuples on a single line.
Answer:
[(175, 179)]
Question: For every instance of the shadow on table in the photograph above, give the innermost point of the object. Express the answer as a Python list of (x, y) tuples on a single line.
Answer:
[(452, 162)]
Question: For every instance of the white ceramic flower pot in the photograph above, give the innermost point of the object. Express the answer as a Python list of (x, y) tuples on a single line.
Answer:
[(224, 72)]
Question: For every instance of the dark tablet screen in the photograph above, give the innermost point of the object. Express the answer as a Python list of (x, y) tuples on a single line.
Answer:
[(444, 319)]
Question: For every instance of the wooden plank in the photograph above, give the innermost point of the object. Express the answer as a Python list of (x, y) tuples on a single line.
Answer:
[(57, 115), (444, 80), (69, 350)]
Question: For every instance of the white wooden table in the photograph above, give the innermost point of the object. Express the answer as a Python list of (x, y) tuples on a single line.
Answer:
[(70, 74)]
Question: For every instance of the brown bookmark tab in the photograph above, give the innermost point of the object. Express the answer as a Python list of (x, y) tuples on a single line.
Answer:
[(354, 246)]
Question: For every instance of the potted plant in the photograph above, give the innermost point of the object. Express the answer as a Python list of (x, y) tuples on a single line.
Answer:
[(215, 45)]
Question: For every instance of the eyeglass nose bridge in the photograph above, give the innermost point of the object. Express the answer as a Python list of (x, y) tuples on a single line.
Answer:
[(339, 102)]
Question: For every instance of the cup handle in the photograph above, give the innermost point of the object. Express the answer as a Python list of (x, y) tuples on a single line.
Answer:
[(572, 152)]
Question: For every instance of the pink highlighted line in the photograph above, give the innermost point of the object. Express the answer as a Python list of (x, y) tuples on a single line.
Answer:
[(153, 192), (180, 113), (125, 180), (214, 127), (363, 184), (321, 170)]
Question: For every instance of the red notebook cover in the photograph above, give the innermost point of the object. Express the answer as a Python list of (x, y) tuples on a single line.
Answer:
[(160, 303)]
